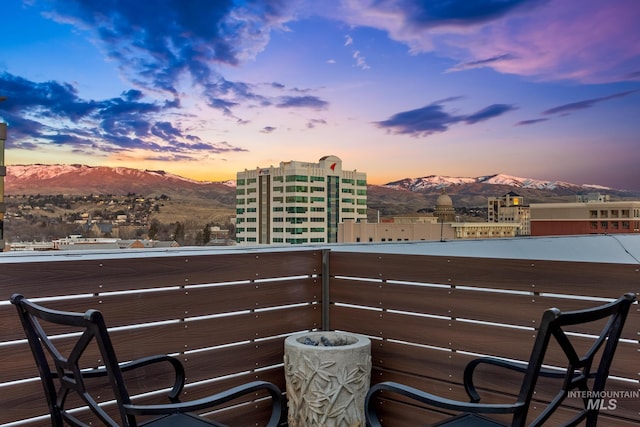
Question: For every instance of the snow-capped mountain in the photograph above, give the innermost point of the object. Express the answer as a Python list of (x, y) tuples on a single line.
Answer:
[(434, 182), (83, 180)]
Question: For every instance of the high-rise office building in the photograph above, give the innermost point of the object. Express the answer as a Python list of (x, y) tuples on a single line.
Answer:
[(298, 202)]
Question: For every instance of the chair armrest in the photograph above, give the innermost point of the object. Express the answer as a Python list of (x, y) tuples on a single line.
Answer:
[(433, 400), (178, 385), (214, 400), (512, 365)]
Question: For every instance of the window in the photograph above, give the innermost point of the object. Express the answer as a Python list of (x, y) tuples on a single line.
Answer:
[(278, 240), (240, 211), (614, 213), (240, 181), (604, 214), (317, 209), (277, 179), (278, 219), (251, 190), (625, 213), (362, 182), (296, 230), (348, 181), (594, 225), (252, 200), (317, 199), (593, 214), (317, 178), (297, 189), (278, 209), (278, 199), (239, 201), (240, 191), (361, 192), (604, 224), (251, 219), (296, 199), (317, 229), (348, 190), (251, 210), (277, 189), (297, 178), (251, 229), (278, 230), (252, 180), (317, 219), (362, 202), (314, 189), (625, 225), (296, 209)]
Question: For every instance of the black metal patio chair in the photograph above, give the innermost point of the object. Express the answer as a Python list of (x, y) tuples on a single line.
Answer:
[(583, 373), (63, 376)]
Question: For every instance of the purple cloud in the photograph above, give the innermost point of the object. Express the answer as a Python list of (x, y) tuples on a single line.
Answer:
[(433, 118), (588, 103), (35, 112), (530, 122), (488, 113), (302, 101)]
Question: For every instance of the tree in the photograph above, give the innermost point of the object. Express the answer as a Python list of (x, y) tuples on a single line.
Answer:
[(153, 230), (206, 234), (178, 234)]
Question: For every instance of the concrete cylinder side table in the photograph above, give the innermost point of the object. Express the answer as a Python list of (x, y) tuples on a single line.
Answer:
[(327, 378)]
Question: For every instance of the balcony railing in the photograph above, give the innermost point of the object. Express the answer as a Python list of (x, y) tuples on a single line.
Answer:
[(428, 307)]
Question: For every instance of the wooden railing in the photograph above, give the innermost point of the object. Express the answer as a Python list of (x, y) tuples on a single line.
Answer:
[(226, 313)]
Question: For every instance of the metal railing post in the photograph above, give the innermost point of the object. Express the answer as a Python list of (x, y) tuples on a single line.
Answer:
[(325, 289)]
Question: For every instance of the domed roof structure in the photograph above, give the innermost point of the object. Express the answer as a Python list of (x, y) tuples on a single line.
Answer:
[(444, 200), (444, 208)]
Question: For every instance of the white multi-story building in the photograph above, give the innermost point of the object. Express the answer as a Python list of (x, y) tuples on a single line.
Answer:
[(510, 208), (298, 202)]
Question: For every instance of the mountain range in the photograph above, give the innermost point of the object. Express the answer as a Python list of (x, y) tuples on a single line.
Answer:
[(403, 196)]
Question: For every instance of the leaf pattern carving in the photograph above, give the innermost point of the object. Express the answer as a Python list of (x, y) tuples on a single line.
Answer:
[(322, 393)]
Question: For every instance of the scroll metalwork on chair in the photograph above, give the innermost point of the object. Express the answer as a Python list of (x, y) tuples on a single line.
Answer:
[(64, 378), (587, 373)]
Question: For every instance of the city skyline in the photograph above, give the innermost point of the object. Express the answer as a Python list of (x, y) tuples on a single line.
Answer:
[(543, 89)]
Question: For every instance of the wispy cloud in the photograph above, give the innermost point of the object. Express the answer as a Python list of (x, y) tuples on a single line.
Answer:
[(581, 105), (361, 61), (489, 112), (481, 62), (540, 39), (433, 118), (530, 122), (187, 41), (308, 101)]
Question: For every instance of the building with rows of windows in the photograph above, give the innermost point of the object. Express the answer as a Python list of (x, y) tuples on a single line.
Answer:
[(298, 202), (592, 214)]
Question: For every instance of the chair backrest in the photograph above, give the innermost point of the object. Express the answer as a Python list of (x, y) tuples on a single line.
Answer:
[(587, 371), (60, 365)]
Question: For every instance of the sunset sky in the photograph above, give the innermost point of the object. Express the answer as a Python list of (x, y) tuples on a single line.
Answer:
[(545, 89)]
